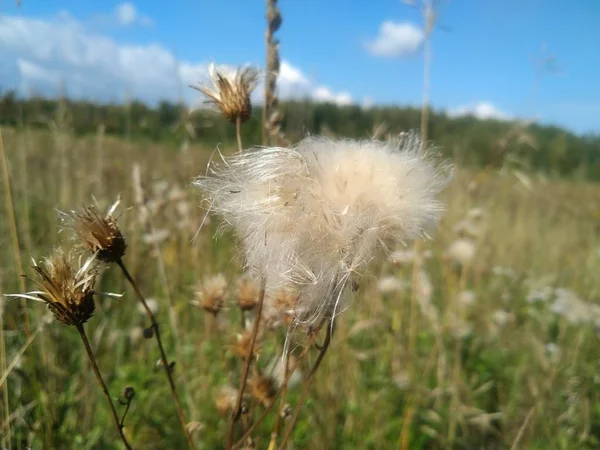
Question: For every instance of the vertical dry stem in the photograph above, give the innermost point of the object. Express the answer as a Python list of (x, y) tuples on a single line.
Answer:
[(244, 378), (90, 354), (13, 230), (163, 355), (306, 385)]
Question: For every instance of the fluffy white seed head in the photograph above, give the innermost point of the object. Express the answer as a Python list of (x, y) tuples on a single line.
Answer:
[(314, 216)]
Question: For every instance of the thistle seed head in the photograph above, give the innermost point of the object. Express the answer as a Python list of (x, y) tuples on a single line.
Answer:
[(210, 296), (316, 215), (231, 91), (66, 290), (99, 233)]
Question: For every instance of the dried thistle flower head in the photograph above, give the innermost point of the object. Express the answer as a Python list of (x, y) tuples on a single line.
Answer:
[(263, 389), (99, 233), (67, 291), (224, 399), (231, 91), (210, 295), (248, 292), (314, 216), (241, 347)]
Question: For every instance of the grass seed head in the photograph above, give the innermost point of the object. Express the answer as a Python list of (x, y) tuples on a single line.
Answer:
[(231, 91)]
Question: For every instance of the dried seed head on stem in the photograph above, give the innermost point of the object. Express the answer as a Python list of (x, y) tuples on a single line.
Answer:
[(210, 295), (66, 287), (231, 91), (314, 216), (99, 233)]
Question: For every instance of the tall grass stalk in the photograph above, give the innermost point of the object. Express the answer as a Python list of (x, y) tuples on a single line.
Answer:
[(244, 378)]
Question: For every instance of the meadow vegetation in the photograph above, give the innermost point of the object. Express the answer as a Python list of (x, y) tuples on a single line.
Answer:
[(482, 334)]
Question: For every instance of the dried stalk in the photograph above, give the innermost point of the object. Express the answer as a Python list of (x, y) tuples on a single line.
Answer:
[(248, 432), (271, 116), (307, 384), (90, 354), (163, 355), (238, 403)]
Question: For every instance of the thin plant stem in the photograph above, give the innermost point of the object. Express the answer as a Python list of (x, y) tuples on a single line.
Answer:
[(279, 391), (426, 84), (238, 133), (238, 403), (6, 437), (281, 403), (307, 384), (13, 230), (90, 354), (163, 355)]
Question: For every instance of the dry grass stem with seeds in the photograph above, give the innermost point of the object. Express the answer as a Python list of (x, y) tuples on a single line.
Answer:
[(230, 94)]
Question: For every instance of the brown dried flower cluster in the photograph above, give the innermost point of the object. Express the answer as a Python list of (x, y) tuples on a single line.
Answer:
[(68, 293), (247, 293), (100, 234), (210, 296), (263, 389), (231, 91)]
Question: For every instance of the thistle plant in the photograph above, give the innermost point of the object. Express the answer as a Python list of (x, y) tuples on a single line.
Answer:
[(312, 218), (230, 94), (68, 292), (100, 234)]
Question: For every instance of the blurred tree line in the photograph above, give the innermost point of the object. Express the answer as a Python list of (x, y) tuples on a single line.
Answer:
[(467, 140)]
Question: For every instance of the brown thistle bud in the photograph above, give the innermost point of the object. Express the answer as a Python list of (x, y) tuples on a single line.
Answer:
[(263, 389), (247, 293), (100, 234), (210, 295), (241, 346), (224, 400), (67, 292), (231, 91)]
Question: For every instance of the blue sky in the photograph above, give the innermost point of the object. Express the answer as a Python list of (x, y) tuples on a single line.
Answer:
[(347, 51)]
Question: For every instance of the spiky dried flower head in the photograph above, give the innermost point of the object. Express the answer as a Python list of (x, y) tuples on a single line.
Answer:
[(224, 399), (231, 91), (99, 233), (262, 388), (66, 287), (241, 346), (210, 295), (248, 291), (315, 215)]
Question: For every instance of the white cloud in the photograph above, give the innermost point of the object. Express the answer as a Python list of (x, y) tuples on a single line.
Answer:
[(324, 94), (39, 54), (127, 14), (396, 39), (480, 110)]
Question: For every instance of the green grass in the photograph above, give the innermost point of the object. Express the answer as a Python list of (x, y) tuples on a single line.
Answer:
[(386, 382)]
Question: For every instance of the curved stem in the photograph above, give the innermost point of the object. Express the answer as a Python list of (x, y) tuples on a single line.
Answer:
[(238, 403), (163, 355), (307, 384), (280, 391), (90, 354)]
